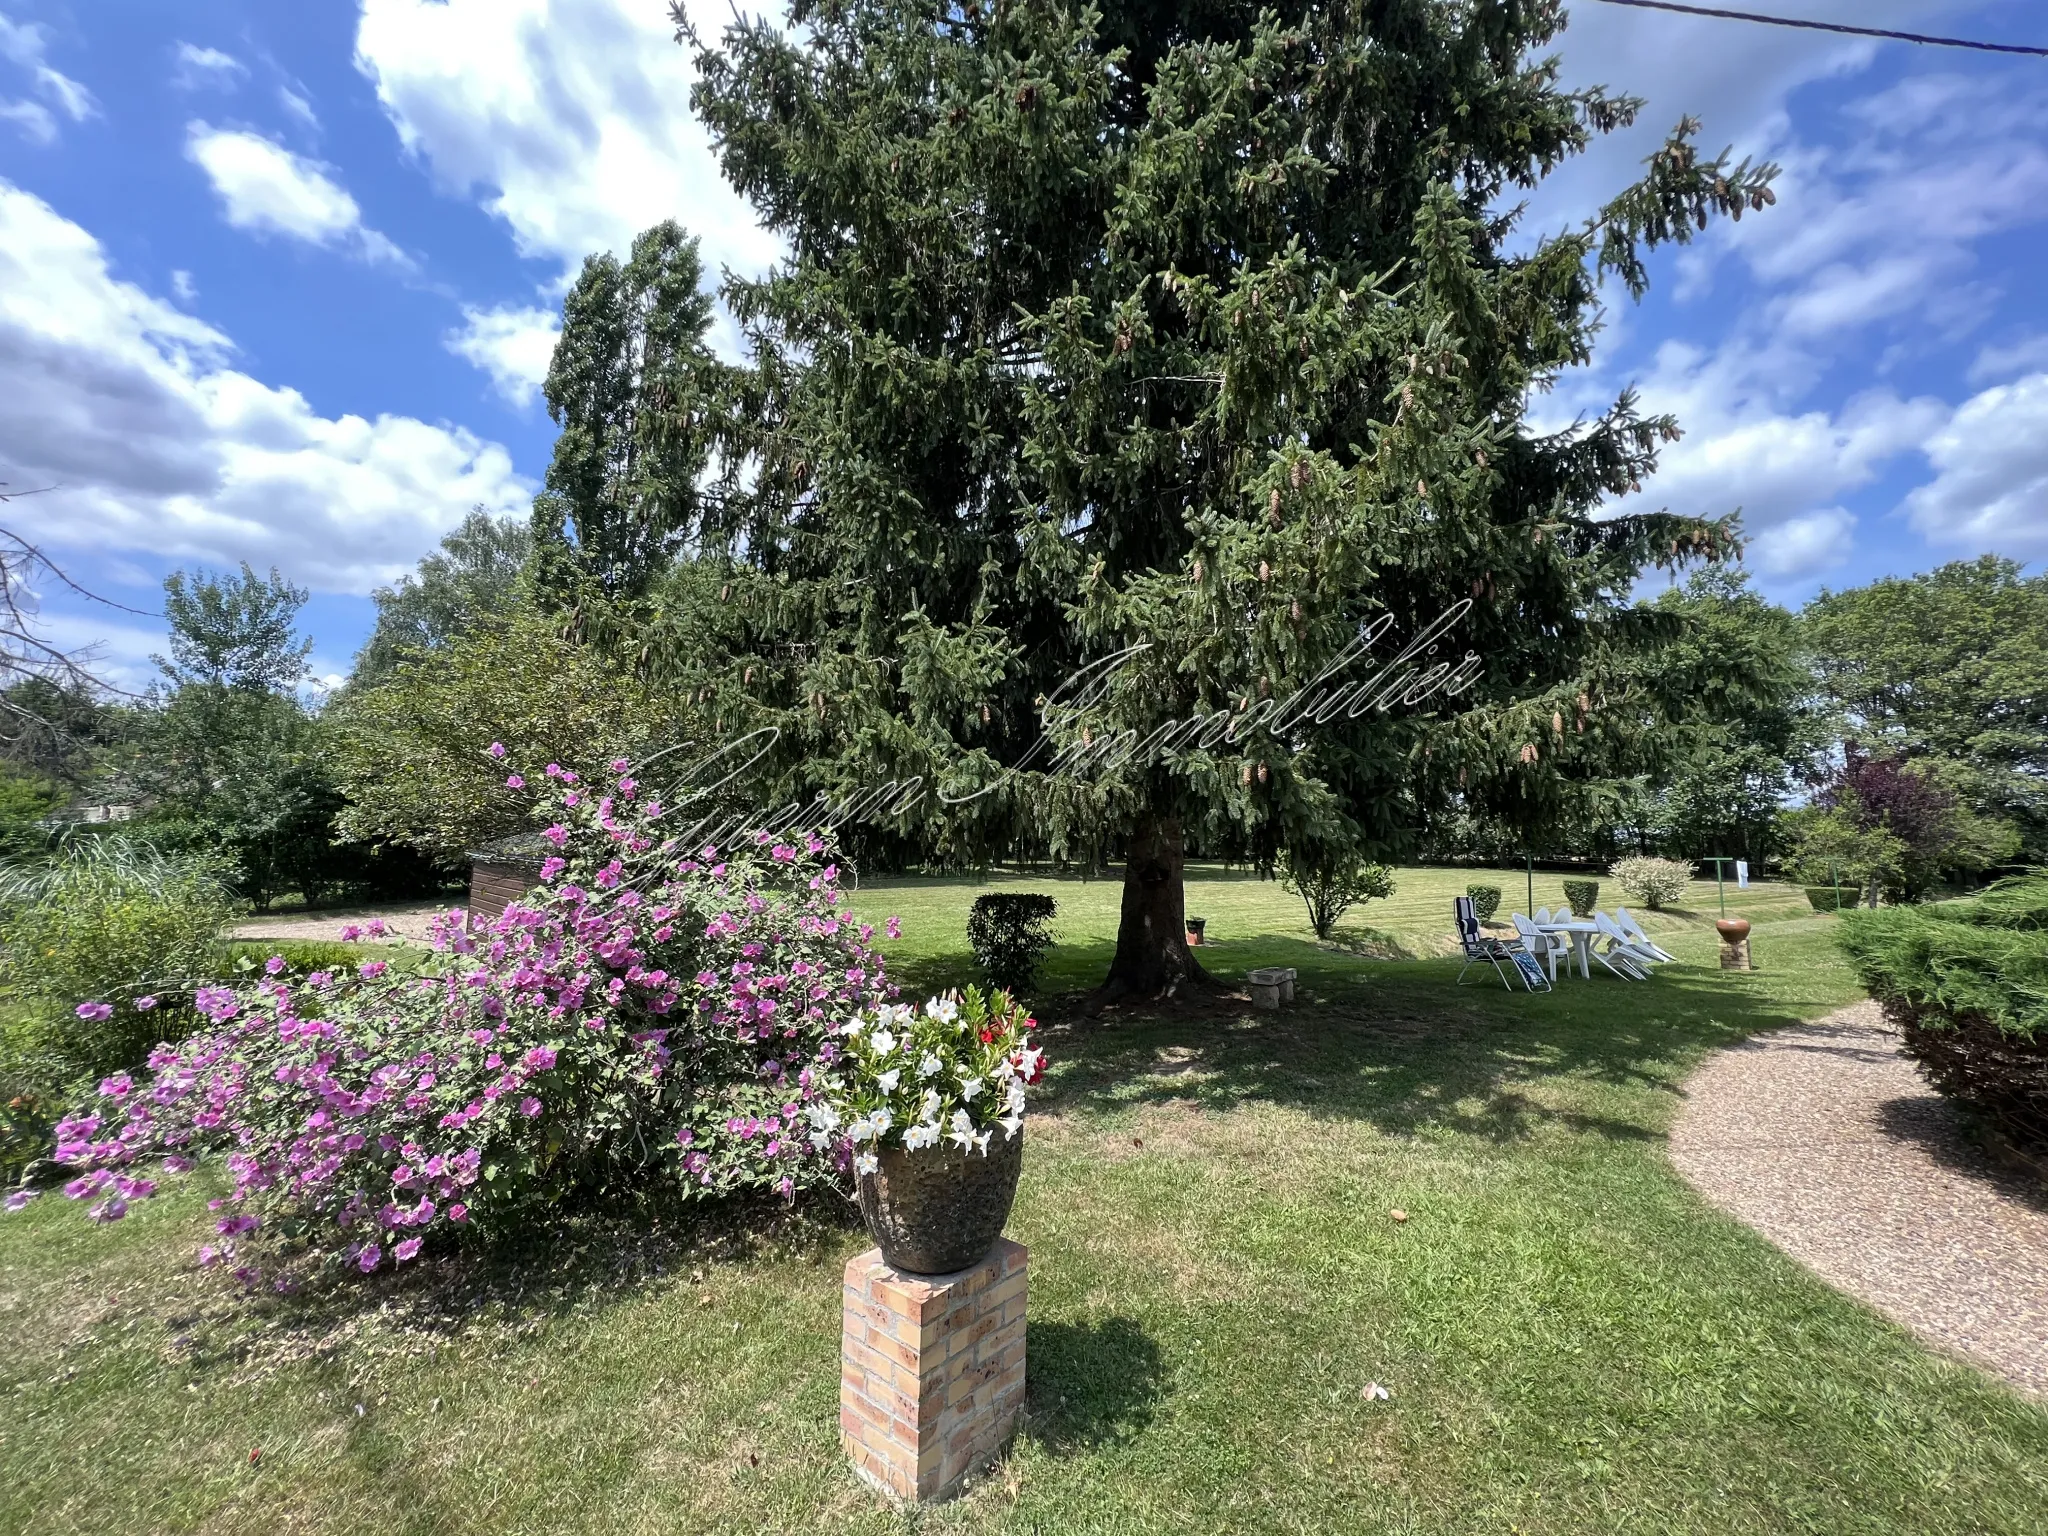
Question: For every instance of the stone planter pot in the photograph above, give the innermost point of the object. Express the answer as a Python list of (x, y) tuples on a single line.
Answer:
[(1733, 930), (1269, 986), (1195, 927), (939, 1210)]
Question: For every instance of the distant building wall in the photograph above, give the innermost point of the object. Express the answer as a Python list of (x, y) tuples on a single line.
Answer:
[(494, 884)]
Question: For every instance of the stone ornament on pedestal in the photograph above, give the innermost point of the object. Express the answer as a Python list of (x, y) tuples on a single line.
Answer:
[(931, 1370), (1734, 933)]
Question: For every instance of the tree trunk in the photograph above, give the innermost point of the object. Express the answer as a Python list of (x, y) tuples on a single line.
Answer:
[(1152, 955)]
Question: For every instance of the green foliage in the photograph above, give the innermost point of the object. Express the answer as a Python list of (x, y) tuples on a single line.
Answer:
[(410, 751), (234, 632), (1008, 932), (25, 800), (1967, 984), (1583, 895), (1205, 331), (1332, 880), (1485, 900), (627, 387), (474, 579), (1828, 898), (108, 920), (1828, 847), (306, 955), (52, 731), (1652, 883), (1950, 665)]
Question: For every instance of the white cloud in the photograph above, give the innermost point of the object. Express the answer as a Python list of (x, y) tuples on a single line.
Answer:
[(183, 286), (514, 346), (1803, 546), (207, 69), (2002, 360), (23, 44), (1990, 492), (570, 117), (266, 189), (156, 445), (298, 106)]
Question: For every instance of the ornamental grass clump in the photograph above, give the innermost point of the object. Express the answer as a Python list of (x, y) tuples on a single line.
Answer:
[(951, 1073), (651, 1017)]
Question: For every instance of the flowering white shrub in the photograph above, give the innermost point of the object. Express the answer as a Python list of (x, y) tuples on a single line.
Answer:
[(951, 1073), (1652, 883), (650, 1013)]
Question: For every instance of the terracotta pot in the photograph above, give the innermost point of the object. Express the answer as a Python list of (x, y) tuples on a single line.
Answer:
[(1732, 929), (1195, 927), (939, 1210)]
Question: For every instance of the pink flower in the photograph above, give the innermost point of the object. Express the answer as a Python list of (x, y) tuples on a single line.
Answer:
[(144, 1004), (541, 1058), (274, 966), (458, 1212), (557, 834), (372, 969), (552, 866), (894, 927), (369, 1258), (497, 749), (529, 1106), (515, 781), (94, 1012), (406, 1249)]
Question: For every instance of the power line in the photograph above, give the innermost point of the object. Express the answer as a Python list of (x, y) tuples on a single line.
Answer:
[(1831, 26)]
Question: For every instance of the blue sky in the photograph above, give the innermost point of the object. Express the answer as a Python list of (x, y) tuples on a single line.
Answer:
[(277, 282)]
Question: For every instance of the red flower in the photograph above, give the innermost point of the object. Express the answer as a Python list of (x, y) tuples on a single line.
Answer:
[(987, 1036)]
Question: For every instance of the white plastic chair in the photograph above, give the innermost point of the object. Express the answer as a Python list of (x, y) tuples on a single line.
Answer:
[(1622, 956), (1546, 947), (1542, 915), (1634, 930)]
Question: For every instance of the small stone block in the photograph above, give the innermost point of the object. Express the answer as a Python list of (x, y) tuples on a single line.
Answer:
[(1735, 956), (931, 1371)]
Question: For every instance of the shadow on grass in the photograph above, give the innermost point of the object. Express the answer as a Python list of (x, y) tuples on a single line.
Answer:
[(1399, 1044), (1091, 1384)]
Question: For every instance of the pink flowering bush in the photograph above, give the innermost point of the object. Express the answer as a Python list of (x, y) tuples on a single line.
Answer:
[(649, 1015)]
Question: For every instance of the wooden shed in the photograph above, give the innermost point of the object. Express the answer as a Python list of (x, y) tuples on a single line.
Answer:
[(502, 872)]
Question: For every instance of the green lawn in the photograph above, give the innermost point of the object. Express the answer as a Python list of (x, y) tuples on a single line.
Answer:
[(1573, 1341)]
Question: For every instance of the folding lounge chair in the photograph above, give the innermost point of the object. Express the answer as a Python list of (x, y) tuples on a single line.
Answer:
[(1480, 947)]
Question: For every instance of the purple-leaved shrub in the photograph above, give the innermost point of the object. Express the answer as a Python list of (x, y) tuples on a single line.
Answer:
[(648, 1013)]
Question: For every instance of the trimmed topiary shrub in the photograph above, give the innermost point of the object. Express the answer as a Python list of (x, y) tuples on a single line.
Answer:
[(1652, 883), (1826, 898), (1009, 931), (1582, 894), (1485, 900), (1966, 985)]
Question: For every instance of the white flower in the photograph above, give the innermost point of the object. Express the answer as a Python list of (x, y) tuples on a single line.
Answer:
[(819, 1141), (929, 1109), (1029, 1058), (971, 1087), (881, 1120), (883, 1042), (867, 1162), (853, 1026), (1013, 1124), (918, 1137), (823, 1116), (1015, 1098), (944, 1009), (887, 1081), (1006, 1069), (931, 1066), (981, 1143), (900, 1015), (963, 1129)]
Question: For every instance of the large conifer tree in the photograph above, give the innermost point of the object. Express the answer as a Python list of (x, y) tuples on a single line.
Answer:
[(1195, 327)]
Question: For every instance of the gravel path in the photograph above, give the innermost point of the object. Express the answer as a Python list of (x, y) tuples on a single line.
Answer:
[(1825, 1139)]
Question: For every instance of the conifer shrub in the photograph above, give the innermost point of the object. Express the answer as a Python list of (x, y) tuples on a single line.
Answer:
[(1582, 894), (1966, 985), (1485, 901), (1009, 932)]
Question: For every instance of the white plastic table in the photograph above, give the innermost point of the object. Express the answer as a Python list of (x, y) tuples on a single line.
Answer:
[(1581, 935)]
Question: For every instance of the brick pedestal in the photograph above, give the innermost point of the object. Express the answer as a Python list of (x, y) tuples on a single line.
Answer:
[(1735, 955), (931, 1374)]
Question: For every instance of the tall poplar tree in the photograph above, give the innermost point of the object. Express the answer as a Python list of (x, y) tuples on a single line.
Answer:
[(1201, 336)]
